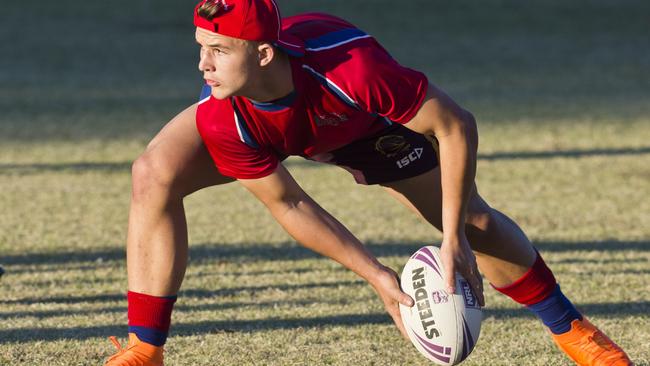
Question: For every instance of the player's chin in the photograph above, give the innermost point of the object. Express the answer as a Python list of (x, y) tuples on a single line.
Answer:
[(220, 92)]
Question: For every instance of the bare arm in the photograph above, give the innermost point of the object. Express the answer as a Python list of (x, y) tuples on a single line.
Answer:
[(456, 132), (316, 229)]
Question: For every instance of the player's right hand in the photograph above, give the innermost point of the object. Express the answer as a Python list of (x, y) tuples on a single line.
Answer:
[(387, 286), (457, 256)]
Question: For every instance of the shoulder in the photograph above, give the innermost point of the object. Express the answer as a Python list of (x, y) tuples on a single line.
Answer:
[(221, 123), (215, 119), (325, 35), (356, 67), (211, 110), (338, 50)]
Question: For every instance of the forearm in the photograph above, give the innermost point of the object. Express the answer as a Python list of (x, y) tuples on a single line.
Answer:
[(317, 230), (455, 130), (458, 169)]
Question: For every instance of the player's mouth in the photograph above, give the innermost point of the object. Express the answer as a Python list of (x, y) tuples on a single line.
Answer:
[(212, 83)]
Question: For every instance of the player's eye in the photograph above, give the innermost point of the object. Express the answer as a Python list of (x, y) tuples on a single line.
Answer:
[(211, 50)]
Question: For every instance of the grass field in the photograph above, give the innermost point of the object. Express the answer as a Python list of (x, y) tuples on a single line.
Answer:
[(562, 94)]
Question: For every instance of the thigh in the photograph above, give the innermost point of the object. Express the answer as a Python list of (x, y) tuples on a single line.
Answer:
[(178, 152), (423, 195)]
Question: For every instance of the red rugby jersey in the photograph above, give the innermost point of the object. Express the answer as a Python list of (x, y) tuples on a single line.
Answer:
[(346, 87)]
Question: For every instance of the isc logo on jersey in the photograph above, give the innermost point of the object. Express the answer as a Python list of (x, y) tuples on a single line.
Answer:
[(411, 157)]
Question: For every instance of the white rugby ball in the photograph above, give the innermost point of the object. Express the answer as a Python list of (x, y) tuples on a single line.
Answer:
[(444, 327)]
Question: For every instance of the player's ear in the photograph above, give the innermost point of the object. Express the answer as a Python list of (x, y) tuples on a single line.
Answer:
[(266, 53)]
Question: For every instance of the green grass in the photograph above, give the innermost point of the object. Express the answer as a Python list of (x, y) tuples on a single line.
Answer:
[(561, 92)]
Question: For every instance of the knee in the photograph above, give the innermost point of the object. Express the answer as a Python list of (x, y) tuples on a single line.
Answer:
[(151, 175)]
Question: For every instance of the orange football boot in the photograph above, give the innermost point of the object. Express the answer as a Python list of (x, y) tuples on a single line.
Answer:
[(588, 346), (137, 353)]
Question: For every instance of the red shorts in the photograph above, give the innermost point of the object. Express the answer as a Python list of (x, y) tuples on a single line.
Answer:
[(393, 154)]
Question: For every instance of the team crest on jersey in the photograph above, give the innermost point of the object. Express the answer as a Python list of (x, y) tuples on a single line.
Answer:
[(392, 145), (330, 119)]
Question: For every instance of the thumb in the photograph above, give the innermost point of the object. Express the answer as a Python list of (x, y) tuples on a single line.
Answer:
[(404, 299)]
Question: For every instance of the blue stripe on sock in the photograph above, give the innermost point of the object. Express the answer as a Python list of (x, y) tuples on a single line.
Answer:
[(556, 311), (149, 335)]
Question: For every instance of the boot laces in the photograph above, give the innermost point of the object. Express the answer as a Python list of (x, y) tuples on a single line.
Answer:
[(120, 351), (117, 345)]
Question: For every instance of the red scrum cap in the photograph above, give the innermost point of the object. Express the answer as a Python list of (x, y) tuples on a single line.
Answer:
[(252, 20)]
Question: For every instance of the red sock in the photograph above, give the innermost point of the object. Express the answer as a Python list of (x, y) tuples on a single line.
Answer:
[(150, 317), (538, 290), (533, 287)]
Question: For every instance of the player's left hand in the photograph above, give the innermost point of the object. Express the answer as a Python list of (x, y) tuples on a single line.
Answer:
[(457, 256), (387, 286)]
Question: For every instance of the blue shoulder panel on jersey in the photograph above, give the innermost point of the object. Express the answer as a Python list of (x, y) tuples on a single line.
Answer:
[(333, 39), (276, 105), (206, 91)]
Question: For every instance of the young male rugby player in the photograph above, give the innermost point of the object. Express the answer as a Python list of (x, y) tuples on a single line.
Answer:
[(314, 85)]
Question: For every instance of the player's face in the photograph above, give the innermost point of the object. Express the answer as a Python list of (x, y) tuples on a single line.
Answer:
[(228, 64)]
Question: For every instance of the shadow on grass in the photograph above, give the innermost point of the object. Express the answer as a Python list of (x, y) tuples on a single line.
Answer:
[(201, 253), (605, 310), (608, 310), (599, 309), (187, 329), (38, 168), (191, 293), (180, 307), (573, 153)]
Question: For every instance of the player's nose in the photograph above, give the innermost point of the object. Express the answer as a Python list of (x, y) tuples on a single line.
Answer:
[(205, 64)]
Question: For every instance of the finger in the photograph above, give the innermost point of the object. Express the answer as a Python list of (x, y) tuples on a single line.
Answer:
[(404, 299), (397, 318), (396, 293), (481, 296), (478, 289), (450, 275), (475, 282)]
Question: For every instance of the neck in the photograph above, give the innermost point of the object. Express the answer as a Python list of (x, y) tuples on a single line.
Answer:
[(275, 81)]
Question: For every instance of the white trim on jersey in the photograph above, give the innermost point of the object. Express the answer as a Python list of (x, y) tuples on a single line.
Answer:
[(204, 100), (338, 44), (332, 84), (289, 44), (241, 137)]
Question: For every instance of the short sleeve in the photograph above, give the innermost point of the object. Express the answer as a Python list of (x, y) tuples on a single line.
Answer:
[(233, 155), (380, 85)]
